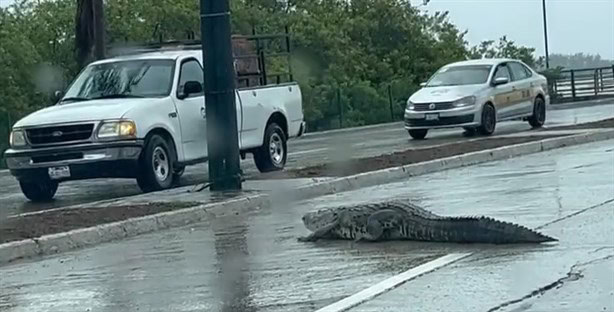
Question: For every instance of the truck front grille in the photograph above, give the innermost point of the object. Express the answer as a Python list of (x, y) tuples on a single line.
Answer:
[(59, 134)]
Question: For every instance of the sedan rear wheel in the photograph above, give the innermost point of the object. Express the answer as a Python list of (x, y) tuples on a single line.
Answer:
[(538, 118)]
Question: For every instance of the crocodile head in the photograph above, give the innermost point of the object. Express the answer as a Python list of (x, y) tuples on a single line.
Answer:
[(318, 219)]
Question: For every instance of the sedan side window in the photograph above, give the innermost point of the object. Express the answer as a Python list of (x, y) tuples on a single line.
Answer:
[(502, 71), (191, 71), (518, 71)]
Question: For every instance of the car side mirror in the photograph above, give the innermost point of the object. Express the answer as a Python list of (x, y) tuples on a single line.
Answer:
[(500, 81), (191, 87)]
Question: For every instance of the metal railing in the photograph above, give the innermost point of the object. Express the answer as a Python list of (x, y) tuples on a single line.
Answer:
[(583, 84), (252, 54)]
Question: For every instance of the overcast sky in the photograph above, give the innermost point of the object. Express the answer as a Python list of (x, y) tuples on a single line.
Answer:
[(573, 25)]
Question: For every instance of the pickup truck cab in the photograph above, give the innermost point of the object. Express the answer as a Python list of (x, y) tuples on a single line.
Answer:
[(142, 116)]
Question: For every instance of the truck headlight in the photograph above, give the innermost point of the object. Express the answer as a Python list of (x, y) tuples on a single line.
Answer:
[(17, 138), (117, 129), (465, 102)]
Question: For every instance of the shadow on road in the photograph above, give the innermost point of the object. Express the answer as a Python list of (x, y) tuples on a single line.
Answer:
[(231, 250)]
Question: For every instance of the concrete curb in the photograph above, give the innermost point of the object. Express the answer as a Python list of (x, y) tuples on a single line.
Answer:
[(62, 242), (396, 174)]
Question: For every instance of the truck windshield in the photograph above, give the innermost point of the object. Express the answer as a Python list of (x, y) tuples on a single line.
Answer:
[(140, 78), (460, 75)]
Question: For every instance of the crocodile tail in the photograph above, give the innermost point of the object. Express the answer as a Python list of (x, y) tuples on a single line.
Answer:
[(486, 230)]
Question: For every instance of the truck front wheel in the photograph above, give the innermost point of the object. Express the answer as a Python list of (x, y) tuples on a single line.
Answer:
[(272, 155), (155, 165), (40, 190)]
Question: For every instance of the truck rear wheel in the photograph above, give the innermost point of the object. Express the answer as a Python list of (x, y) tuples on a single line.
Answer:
[(40, 190), (155, 165), (272, 155)]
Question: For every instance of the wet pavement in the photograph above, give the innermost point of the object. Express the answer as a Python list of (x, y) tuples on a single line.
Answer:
[(254, 261), (312, 149)]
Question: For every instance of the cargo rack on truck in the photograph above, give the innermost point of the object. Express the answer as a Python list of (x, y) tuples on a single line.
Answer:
[(250, 62)]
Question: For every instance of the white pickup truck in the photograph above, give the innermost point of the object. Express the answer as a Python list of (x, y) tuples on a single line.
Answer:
[(142, 116)]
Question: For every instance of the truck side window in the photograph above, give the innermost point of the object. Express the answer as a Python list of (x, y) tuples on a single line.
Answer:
[(191, 71)]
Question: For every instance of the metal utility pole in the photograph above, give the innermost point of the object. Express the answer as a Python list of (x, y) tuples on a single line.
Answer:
[(546, 34), (220, 109), (99, 36)]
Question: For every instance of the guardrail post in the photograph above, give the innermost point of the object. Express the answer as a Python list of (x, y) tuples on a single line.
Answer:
[(264, 74), (573, 86), (595, 82), (340, 108), (390, 102)]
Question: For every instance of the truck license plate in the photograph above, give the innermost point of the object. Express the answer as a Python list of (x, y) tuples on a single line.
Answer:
[(432, 117), (56, 173)]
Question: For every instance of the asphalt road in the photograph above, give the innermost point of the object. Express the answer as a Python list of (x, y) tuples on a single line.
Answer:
[(254, 263), (309, 150)]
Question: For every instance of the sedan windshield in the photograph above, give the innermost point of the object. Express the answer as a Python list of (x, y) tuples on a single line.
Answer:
[(460, 75), (123, 79)]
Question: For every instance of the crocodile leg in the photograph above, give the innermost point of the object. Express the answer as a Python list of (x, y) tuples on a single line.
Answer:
[(381, 221), (320, 233)]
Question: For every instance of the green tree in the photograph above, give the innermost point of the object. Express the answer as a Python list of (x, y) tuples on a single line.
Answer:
[(506, 49)]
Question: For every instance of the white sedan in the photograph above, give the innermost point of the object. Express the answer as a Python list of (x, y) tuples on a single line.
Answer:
[(475, 95)]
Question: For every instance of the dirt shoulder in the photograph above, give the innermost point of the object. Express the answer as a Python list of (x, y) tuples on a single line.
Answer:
[(412, 156), (58, 221), (397, 159), (606, 123)]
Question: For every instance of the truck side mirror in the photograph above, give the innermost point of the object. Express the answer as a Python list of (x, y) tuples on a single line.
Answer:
[(57, 95), (190, 87)]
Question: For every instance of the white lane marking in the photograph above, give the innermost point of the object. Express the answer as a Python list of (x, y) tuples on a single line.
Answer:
[(391, 283), (309, 151)]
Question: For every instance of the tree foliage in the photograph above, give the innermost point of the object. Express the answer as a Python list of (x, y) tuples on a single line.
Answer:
[(579, 61), (506, 48)]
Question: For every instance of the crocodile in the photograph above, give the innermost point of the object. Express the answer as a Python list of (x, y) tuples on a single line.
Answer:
[(399, 220)]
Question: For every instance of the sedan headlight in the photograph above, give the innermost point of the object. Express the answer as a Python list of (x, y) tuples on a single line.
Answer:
[(117, 130), (465, 102), (410, 105), (17, 138)]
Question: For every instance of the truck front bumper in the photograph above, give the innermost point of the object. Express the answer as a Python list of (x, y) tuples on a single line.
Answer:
[(85, 161)]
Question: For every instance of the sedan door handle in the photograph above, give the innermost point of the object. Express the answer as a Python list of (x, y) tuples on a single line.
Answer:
[(203, 112), (172, 115)]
